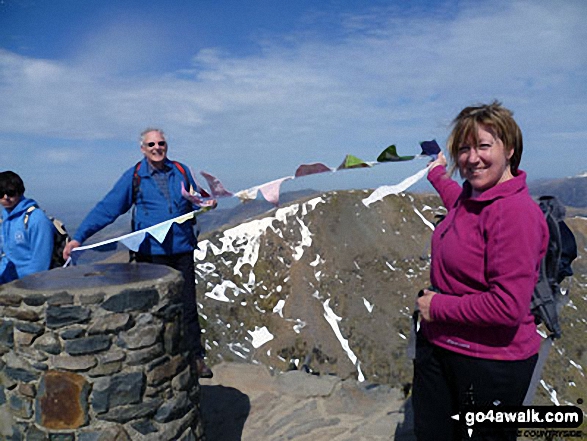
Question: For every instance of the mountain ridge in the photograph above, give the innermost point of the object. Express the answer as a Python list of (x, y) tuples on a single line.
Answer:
[(328, 285)]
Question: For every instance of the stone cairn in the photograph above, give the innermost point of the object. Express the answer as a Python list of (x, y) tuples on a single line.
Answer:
[(96, 353)]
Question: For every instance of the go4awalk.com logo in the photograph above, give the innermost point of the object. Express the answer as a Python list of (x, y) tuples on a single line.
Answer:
[(502, 417)]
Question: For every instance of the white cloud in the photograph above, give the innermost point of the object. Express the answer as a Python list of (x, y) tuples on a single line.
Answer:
[(61, 155), (386, 77)]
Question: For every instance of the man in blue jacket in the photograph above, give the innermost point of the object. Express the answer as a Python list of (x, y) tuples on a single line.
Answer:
[(27, 233), (153, 186)]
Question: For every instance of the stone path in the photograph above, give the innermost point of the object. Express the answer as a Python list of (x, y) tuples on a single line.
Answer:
[(246, 402)]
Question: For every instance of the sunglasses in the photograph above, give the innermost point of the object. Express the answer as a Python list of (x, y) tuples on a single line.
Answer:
[(9, 193), (152, 144)]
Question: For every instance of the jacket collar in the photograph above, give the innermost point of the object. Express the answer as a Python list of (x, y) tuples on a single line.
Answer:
[(512, 186), (147, 170), (19, 208)]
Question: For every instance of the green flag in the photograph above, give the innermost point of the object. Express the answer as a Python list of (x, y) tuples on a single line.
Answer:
[(390, 154), (351, 161)]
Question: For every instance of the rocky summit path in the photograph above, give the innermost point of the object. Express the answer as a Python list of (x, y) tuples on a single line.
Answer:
[(246, 402)]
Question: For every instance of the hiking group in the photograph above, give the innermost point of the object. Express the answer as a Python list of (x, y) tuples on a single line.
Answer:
[(153, 188), (477, 341)]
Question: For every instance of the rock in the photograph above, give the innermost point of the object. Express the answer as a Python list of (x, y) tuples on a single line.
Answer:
[(35, 434), (21, 314), (143, 356), (34, 300), (20, 374), (60, 316), (245, 401), (132, 300), (87, 345), (118, 390), (106, 369), (93, 298), (27, 390), (71, 363), (72, 333), (23, 338), (21, 407), (173, 409), (49, 343), (183, 380), (145, 409), (144, 427), (55, 390), (172, 337), (109, 323), (139, 337), (60, 299), (7, 334), (30, 328), (111, 357), (166, 371), (10, 299)]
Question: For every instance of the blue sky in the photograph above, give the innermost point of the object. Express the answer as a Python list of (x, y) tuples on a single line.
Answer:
[(248, 90)]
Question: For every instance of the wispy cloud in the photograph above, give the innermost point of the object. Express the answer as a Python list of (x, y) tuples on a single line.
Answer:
[(382, 77)]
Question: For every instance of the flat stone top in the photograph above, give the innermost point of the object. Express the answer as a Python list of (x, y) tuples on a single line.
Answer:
[(93, 276)]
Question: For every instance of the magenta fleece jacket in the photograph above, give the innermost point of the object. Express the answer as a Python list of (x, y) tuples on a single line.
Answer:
[(486, 255)]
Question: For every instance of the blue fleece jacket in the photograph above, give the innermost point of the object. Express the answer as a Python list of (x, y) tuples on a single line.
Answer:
[(26, 249), (151, 208)]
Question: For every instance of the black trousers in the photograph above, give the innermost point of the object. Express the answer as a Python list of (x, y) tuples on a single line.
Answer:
[(184, 263), (445, 380)]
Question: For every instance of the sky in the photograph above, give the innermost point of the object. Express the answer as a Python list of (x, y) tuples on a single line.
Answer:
[(249, 90)]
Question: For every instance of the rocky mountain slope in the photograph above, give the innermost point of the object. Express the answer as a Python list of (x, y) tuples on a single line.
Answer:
[(327, 285)]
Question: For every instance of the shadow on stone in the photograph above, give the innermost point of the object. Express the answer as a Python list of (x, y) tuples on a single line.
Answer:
[(405, 429), (224, 411)]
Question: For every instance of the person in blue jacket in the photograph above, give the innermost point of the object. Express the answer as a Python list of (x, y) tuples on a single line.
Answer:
[(153, 187), (27, 232)]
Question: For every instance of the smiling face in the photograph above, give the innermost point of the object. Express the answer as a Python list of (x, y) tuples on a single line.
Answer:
[(484, 162), (154, 147)]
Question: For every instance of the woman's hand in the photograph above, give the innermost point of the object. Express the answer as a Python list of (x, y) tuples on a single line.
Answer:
[(424, 304), (441, 160)]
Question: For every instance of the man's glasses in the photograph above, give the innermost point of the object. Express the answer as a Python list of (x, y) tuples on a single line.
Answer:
[(152, 144), (9, 193)]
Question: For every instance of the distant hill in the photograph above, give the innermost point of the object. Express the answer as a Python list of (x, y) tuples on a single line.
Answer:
[(329, 283), (570, 191)]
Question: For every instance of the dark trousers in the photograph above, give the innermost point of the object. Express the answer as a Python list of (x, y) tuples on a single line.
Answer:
[(184, 263), (444, 381)]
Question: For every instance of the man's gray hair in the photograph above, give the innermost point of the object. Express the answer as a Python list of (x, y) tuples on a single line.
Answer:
[(149, 130)]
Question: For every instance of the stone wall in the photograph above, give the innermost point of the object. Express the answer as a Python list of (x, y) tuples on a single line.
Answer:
[(96, 352)]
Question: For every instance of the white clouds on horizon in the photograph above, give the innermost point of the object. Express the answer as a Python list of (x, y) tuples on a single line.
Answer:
[(386, 78)]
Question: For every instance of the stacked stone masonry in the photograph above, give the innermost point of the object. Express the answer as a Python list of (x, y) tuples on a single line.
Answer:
[(96, 353)]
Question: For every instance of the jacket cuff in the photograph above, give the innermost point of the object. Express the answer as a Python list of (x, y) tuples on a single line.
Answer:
[(443, 307)]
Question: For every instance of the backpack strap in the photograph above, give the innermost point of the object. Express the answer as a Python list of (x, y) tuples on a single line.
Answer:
[(27, 214), (136, 181), (59, 227), (188, 186)]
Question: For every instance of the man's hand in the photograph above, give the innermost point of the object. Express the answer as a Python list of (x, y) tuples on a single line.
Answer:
[(424, 304), (209, 203), (70, 246)]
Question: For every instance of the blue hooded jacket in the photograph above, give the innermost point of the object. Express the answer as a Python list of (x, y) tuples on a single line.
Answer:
[(151, 208), (26, 249)]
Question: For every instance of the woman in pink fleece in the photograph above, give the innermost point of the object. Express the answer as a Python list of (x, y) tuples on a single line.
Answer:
[(478, 342)]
